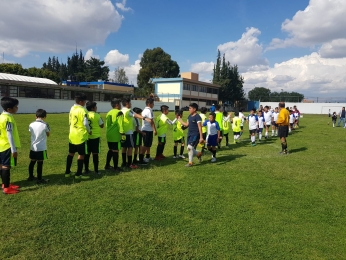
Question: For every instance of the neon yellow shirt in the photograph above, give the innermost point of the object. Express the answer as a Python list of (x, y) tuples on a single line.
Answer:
[(78, 132), (219, 119), (7, 118), (161, 125), (128, 120), (114, 125), (225, 125), (94, 123), (236, 124), (204, 118), (178, 132)]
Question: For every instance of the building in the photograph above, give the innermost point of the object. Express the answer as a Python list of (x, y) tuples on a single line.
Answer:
[(185, 90)]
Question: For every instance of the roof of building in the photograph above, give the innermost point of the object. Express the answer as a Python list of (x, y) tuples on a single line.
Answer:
[(13, 77), (167, 80), (80, 83)]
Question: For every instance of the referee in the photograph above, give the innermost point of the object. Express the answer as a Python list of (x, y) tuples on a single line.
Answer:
[(283, 122)]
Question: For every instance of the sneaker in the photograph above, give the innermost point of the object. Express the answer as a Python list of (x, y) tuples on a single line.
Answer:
[(175, 157), (9, 190), (81, 177), (98, 173), (109, 167), (162, 156), (284, 152), (199, 157), (253, 144), (146, 160), (188, 165), (182, 156), (12, 186), (32, 178), (133, 166), (213, 159), (142, 163), (158, 158), (42, 181)]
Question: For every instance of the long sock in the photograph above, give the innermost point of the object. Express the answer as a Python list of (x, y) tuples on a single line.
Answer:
[(96, 162), (31, 168), (39, 170), (80, 163), (6, 177), (141, 157), (115, 156), (109, 157), (135, 158), (175, 150), (190, 155), (214, 153), (284, 146), (147, 155), (260, 136), (182, 150), (273, 132), (226, 138), (253, 138), (123, 155), (162, 148), (266, 133), (1, 176), (86, 162), (129, 160), (69, 160), (158, 148)]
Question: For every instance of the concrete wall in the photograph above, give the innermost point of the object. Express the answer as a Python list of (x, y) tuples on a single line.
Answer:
[(310, 108), (30, 105), (168, 88)]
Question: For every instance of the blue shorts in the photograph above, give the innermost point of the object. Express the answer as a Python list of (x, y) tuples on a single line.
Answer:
[(259, 130), (192, 140), (212, 140)]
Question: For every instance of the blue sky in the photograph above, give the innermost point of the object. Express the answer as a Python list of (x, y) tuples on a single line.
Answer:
[(298, 45)]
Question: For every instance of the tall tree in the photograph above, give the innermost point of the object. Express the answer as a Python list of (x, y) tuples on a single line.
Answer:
[(262, 94), (217, 68), (95, 69), (155, 63), (120, 76)]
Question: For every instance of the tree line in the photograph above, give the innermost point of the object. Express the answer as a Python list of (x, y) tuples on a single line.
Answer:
[(265, 95)]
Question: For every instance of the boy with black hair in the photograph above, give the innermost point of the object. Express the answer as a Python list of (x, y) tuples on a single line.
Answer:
[(78, 136), (114, 125), (267, 114), (219, 119), (213, 135), (226, 120), (9, 142), (236, 124), (39, 131), (95, 123), (137, 135), (178, 135), (252, 120), (195, 136), (127, 143), (148, 129), (162, 123)]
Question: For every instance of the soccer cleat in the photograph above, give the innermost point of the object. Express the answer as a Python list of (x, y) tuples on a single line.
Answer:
[(182, 156), (213, 159), (42, 181), (32, 178), (253, 144), (188, 165), (9, 190), (175, 157), (12, 186), (158, 158), (199, 156), (133, 166)]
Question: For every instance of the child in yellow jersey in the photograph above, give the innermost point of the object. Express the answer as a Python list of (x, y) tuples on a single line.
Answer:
[(178, 135), (95, 123), (204, 128), (236, 127), (9, 142), (219, 119), (162, 123), (78, 136), (114, 120), (226, 120)]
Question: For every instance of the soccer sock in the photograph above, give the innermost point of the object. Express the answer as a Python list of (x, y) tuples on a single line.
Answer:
[(68, 164), (80, 163), (39, 170), (266, 133), (272, 132), (141, 157), (115, 156), (226, 138), (147, 155), (31, 168), (86, 162), (96, 162), (158, 148), (190, 153), (134, 158), (109, 157), (237, 137), (129, 160), (276, 133), (214, 153), (253, 138), (259, 135), (182, 149), (162, 148), (175, 150), (123, 155), (6, 177)]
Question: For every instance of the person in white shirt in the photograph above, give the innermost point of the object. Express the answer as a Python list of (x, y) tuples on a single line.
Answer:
[(261, 122), (275, 116), (252, 120), (267, 114), (243, 118), (292, 120), (39, 131)]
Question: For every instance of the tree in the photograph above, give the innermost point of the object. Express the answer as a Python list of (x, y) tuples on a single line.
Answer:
[(95, 70), (120, 76), (262, 94), (155, 63)]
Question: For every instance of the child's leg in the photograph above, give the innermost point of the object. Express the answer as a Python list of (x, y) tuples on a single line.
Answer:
[(182, 148), (123, 155), (115, 157), (175, 149), (80, 164), (31, 169), (6, 176), (260, 134), (190, 152), (86, 162), (135, 154), (69, 160), (213, 151), (39, 170), (273, 130), (96, 162), (226, 135)]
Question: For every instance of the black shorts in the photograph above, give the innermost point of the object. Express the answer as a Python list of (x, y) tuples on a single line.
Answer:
[(162, 140), (94, 145), (274, 124), (193, 140), (291, 124), (181, 141), (114, 146), (81, 149), (283, 131), (241, 127), (148, 138), (6, 158), (128, 142), (137, 139), (38, 155), (268, 126), (253, 131), (236, 133)]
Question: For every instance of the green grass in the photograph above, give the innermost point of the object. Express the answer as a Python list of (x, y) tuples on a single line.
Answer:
[(251, 204)]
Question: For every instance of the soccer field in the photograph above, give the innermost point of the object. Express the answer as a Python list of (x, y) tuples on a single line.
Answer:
[(251, 204)]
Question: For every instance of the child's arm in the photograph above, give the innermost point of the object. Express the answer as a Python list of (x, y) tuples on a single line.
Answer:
[(86, 124), (47, 130), (183, 123), (9, 128), (101, 123), (201, 140)]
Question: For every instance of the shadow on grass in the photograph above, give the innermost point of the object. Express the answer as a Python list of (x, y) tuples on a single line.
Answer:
[(220, 160), (297, 150)]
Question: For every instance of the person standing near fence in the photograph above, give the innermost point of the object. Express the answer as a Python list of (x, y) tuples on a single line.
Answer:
[(342, 117)]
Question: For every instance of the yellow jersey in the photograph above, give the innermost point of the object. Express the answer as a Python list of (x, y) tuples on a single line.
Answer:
[(78, 132), (7, 122)]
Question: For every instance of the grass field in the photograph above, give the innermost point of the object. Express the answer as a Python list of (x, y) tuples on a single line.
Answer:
[(251, 204)]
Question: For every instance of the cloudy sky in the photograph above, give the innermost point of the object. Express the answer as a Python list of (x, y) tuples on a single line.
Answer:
[(295, 45)]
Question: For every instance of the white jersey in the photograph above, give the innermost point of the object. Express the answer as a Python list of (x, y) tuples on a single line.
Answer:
[(253, 122), (292, 117), (296, 115), (261, 121), (268, 117), (148, 113), (275, 116), (242, 117), (212, 127), (39, 130)]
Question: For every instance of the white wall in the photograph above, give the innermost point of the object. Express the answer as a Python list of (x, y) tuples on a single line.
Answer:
[(30, 105), (310, 108), (168, 88)]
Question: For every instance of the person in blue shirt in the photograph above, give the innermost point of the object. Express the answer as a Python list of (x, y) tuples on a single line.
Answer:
[(213, 136), (212, 108)]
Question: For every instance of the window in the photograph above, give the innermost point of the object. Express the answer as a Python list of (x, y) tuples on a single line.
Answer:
[(215, 91), (4, 91), (194, 88), (13, 91), (186, 87), (202, 89), (210, 90)]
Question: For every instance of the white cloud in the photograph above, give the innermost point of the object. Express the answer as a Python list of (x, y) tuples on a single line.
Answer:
[(334, 49), (322, 22), (132, 72), (90, 54), (246, 52), (122, 7), (115, 58), (204, 69), (55, 26), (310, 75)]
